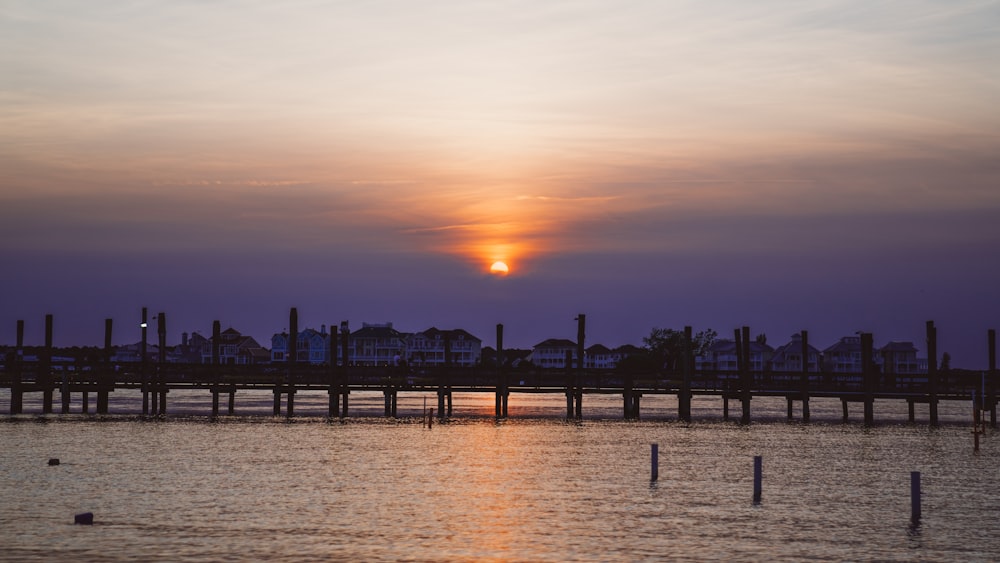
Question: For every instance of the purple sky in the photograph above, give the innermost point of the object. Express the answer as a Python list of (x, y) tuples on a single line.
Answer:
[(715, 164)]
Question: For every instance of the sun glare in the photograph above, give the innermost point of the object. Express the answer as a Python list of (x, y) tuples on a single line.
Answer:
[(499, 268)]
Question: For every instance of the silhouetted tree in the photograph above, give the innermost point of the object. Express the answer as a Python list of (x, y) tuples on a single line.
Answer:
[(666, 346), (945, 362)]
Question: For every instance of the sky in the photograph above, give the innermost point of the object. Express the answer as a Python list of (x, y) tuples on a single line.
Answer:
[(830, 166)]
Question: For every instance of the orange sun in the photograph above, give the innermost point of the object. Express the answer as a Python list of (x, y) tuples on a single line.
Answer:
[(499, 268)]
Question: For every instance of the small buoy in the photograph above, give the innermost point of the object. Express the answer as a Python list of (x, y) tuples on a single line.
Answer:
[(86, 519), (53, 461)]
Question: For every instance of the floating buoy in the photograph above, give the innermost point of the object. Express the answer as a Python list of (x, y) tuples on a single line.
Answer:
[(86, 519), (53, 461)]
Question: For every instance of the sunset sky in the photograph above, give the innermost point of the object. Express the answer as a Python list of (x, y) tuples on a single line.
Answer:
[(831, 166)]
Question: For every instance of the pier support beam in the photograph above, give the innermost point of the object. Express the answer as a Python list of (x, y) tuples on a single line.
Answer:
[(843, 403), (15, 360), (991, 377), (46, 375), (868, 376), (932, 371)]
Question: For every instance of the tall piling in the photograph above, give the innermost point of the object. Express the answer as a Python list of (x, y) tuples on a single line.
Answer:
[(17, 363), (46, 375), (684, 394), (581, 335), (805, 376), (868, 376), (932, 372), (160, 393), (333, 409), (106, 381), (991, 377), (144, 368), (345, 374), (216, 375), (746, 373), (501, 389)]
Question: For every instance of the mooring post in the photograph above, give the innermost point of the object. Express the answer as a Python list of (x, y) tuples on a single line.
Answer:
[(161, 383), (655, 462), (232, 400), (290, 411), (16, 359), (293, 360), (868, 376), (788, 399), (216, 376), (448, 362), (684, 395), (144, 372), (915, 497), (500, 390), (725, 406), (106, 381), (991, 378), (746, 374), (345, 381), (46, 375), (334, 390), (911, 411), (843, 403), (805, 376), (581, 335), (932, 371), (758, 464)]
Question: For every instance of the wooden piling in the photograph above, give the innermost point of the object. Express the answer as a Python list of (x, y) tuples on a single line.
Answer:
[(991, 377), (805, 376), (501, 389), (744, 367), (758, 465), (843, 403), (684, 394), (344, 381), (333, 409), (16, 360), (915, 497), (106, 381), (911, 411), (868, 376), (46, 375), (581, 335), (216, 341), (160, 388), (143, 366), (654, 458), (292, 363), (932, 372)]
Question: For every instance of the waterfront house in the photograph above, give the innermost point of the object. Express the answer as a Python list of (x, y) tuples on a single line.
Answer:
[(788, 357), (551, 353), (235, 348), (312, 347), (428, 348), (376, 344), (721, 356)]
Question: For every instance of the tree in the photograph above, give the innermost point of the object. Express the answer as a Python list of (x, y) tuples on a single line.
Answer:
[(666, 346), (945, 362)]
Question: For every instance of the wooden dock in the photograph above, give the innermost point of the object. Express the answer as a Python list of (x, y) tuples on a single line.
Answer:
[(156, 379)]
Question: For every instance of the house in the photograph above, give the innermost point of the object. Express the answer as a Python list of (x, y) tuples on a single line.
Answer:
[(844, 356), (428, 347), (721, 356), (375, 344), (551, 353), (599, 356), (312, 347), (900, 358), (788, 357), (234, 348), (624, 351)]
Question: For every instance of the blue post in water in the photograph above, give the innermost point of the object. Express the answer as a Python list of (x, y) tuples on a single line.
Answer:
[(758, 464), (655, 462), (915, 497)]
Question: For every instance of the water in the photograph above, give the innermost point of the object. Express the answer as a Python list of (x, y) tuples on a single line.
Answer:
[(253, 487)]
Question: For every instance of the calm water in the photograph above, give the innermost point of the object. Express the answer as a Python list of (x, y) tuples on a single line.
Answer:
[(253, 487)]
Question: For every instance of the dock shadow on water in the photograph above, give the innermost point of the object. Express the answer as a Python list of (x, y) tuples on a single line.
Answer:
[(532, 487)]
